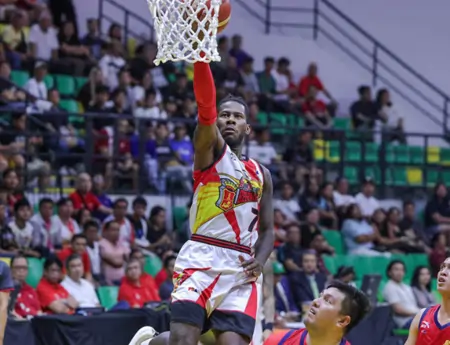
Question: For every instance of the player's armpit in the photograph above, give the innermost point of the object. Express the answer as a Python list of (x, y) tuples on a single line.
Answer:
[(264, 245), (414, 329)]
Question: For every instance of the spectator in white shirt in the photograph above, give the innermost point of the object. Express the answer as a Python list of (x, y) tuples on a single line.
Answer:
[(79, 288), (340, 194), (262, 149), (48, 226), (66, 225), (36, 86), (111, 64), (365, 199), (91, 229), (120, 207), (282, 80), (150, 108), (43, 39), (288, 204), (392, 122)]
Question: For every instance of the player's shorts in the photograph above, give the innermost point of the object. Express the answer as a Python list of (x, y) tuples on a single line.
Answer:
[(211, 290)]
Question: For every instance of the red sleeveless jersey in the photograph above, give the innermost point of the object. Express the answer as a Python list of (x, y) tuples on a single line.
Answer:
[(298, 337), (430, 330)]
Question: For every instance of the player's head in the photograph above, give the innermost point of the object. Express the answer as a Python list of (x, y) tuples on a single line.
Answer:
[(340, 307), (232, 120), (443, 277)]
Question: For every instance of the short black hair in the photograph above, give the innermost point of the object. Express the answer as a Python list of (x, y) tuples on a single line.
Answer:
[(108, 224), (63, 202), (16, 257), (139, 201), (408, 203), (355, 303), (45, 201), (90, 223), (21, 203), (168, 260), (237, 99), (70, 259), (51, 261), (392, 263), (76, 237), (119, 200), (362, 89)]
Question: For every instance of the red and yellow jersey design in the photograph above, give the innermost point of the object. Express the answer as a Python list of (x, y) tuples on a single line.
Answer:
[(226, 199), (431, 331)]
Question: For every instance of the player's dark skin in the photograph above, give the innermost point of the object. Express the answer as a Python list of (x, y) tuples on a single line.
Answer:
[(231, 128)]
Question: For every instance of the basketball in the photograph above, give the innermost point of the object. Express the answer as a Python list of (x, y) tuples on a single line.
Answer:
[(224, 15)]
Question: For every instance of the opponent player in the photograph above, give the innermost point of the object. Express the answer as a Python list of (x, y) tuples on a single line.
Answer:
[(430, 326), (215, 274), (339, 308)]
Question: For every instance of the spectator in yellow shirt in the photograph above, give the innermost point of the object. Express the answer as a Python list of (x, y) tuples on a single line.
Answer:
[(15, 40)]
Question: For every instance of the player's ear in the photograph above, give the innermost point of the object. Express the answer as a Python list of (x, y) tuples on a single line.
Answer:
[(248, 130), (343, 321)]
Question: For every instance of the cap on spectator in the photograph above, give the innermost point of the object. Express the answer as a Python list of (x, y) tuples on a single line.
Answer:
[(40, 64)]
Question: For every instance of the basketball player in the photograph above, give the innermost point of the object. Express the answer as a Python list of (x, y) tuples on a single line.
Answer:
[(215, 275), (430, 325), (339, 308)]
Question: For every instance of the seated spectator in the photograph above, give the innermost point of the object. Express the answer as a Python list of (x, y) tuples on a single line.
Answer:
[(161, 276), (143, 84), (79, 288), (43, 39), (158, 236), (278, 226), (166, 288), (346, 274), (340, 193), (327, 208), (115, 33), (53, 297), (12, 144), (48, 225), (92, 40), (312, 79), (412, 227), (316, 111), (113, 254), (27, 301), (437, 212), (266, 83), (119, 101), (139, 222), (82, 216), (111, 63), (285, 306), (99, 189), (249, 78), (71, 51), (65, 224), (261, 149), (12, 187), (366, 200), (320, 245), (439, 252), (88, 93), (119, 216), (310, 228), (15, 40), (145, 278), (421, 287), (9, 93), (8, 245), (400, 296), (91, 232), (27, 235), (132, 290), (392, 122), (36, 85), (78, 246), (149, 108), (364, 112), (290, 253), (84, 198), (358, 234), (283, 82), (310, 198), (236, 50), (307, 284), (287, 204)]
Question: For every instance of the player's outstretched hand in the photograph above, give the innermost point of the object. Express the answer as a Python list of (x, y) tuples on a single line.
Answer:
[(251, 267)]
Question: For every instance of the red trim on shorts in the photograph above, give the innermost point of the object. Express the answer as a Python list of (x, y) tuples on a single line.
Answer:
[(221, 243), (205, 295)]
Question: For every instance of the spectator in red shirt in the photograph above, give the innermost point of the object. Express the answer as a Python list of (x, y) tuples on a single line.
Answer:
[(146, 279), (78, 245), (311, 79), (53, 297), (11, 185), (27, 301), (84, 198), (132, 290), (315, 110)]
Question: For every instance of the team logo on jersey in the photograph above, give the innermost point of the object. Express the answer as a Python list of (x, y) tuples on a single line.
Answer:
[(234, 192), (424, 326)]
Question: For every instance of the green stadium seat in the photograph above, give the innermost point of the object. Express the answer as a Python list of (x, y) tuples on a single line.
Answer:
[(278, 123), (399, 177), (437, 296), (179, 216), (417, 154), (370, 152), (373, 172), (79, 83), (445, 177), (334, 239), (333, 152), (70, 105), (352, 151), (378, 265), (35, 271), (401, 153), (445, 156), (432, 177), (330, 263), (65, 85), (152, 265), (342, 124), (49, 81), (389, 155), (20, 78), (108, 295), (351, 174), (262, 118)]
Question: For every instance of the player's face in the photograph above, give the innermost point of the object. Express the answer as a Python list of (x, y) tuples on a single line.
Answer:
[(325, 312), (232, 123), (443, 277)]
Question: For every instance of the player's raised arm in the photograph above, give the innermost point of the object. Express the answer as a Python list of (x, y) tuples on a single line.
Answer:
[(207, 139), (414, 329)]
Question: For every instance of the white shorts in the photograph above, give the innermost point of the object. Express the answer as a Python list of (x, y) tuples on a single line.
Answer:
[(211, 290)]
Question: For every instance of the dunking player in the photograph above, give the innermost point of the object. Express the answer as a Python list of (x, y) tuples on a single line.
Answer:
[(215, 273), (431, 325), (339, 308)]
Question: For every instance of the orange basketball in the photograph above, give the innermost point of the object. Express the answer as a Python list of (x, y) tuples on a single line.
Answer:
[(224, 15)]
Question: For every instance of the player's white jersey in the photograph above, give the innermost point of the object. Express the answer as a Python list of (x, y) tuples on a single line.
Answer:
[(226, 199)]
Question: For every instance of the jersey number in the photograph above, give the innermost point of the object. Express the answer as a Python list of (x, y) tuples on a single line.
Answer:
[(255, 220)]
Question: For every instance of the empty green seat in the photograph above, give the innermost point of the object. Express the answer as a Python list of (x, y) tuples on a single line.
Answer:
[(351, 174), (70, 105), (445, 156), (330, 263), (334, 239), (278, 123), (334, 152), (388, 154), (432, 176), (19, 78), (401, 154), (398, 176), (445, 177), (262, 118), (370, 152), (108, 295), (35, 271), (179, 216), (79, 83), (49, 82), (373, 172), (417, 154), (342, 124), (65, 85), (352, 151), (152, 265)]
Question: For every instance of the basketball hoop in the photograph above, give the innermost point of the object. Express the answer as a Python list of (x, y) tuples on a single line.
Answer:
[(186, 30)]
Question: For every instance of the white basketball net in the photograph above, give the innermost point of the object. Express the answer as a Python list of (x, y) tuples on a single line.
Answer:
[(186, 30)]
